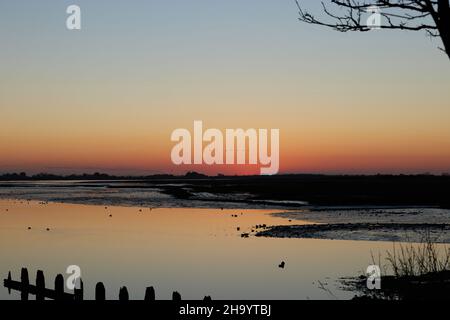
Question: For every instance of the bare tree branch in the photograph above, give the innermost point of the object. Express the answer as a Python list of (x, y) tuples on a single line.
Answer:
[(432, 16)]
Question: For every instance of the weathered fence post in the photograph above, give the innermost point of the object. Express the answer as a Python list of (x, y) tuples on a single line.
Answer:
[(58, 293), (149, 294), (123, 294), (40, 286), (25, 282), (100, 292), (78, 293), (59, 287), (9, 282), (176, 296)]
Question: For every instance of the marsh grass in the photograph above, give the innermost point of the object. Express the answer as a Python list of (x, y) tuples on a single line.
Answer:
[(412, 271), (415, 260)]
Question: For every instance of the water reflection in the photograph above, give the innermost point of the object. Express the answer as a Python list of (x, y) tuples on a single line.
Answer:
[(196, 252)]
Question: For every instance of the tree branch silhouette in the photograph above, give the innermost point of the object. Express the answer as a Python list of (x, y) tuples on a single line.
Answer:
[(432, 16)]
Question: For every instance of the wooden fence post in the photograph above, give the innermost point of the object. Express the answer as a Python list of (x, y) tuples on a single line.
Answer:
[(59, 287), (123, 294), (100, 292), (149, 294), (40, 286), (78, 293), (176, 296), (9, 282), (25, 282), (58, 293)]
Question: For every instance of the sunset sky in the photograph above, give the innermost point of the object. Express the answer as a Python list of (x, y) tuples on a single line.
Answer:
[(106, 98)]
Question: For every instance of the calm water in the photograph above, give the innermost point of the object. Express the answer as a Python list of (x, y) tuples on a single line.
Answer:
[(197, 252)]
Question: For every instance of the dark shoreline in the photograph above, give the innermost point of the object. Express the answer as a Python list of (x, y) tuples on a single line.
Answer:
[(315, 190), (362, 231)]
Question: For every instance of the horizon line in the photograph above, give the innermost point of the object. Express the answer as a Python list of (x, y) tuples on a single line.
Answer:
[(193, 174)]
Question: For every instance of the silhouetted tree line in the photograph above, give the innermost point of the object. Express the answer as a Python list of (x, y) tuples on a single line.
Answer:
[(22, 176), (48, 176), (189, 175)]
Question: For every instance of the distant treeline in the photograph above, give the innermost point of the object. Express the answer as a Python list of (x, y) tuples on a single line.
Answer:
[(22, 176)]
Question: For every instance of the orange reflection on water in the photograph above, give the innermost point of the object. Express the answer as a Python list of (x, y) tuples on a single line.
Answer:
[(197, 252)]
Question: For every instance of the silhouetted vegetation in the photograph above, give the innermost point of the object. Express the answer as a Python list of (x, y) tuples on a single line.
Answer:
[(413, 271), (432, 17), (411, 260)]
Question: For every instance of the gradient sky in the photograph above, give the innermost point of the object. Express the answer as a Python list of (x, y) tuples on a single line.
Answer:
[(107, 98)]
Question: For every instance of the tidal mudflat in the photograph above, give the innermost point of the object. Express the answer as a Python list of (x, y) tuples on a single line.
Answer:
[(372, 224)]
